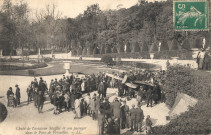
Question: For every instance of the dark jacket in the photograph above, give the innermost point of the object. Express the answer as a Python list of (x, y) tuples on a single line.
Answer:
[(17, 93), (148, 122), (139, 115), (9, 92), (116, 109), (132, 113), (110, 128), (101, 87)]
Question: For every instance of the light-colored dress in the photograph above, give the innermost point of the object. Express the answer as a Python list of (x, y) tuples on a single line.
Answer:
[(77, 108)]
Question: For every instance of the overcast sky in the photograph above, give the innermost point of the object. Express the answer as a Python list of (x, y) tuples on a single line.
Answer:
[(72, 8)]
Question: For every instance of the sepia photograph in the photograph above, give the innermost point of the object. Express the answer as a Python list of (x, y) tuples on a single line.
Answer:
[(105, 67)]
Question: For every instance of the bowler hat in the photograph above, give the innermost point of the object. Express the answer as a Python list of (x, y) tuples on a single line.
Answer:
[(16, 85), (10, 88)]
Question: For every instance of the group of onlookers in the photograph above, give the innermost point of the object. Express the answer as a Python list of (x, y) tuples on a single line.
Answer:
[(72, 93)]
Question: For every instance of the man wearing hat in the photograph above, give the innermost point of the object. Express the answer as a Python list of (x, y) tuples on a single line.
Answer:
[(35, 82), (133, 117), (116, 112), (149, 96), (139, 118), (101, 88), (107, 108), (18, 94), (124, 115), (116, 108)]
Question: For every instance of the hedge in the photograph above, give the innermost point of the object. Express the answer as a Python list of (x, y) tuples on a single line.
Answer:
[(107, 59), (194, 121), (194, 83), (13, 67), (182, 54), (189, 81)]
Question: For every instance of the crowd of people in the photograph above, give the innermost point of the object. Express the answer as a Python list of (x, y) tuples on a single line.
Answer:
[(72, 93)]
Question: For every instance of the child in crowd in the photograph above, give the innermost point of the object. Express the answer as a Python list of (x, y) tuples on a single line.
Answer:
[(149, 125)]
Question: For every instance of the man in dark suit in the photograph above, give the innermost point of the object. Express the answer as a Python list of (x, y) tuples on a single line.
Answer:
[(139, 118), (124, 115), (107, 108), (105, 88), (116, 108), (133, 117), (149, 97), (100, 88), (40, 101), (116, 112), (18, 94)]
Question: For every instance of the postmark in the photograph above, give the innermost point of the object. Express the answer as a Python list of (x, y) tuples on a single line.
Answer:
[(191, 15)]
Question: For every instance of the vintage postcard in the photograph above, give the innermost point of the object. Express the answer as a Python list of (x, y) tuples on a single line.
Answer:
[(105, 67)]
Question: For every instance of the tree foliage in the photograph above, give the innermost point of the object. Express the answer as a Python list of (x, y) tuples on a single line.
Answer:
[(142, 23)]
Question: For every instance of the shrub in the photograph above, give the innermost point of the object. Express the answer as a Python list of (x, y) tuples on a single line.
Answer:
[(114, 49), (14, 67), (144, 47), (107, 59), (74, 52), (174, 45), (186, 44), (194, 83), (102, 50), (197, 43), (121, 48), (182, 79), (47, 59), (153, 48), (108, 49), (136, 47), (194, 121), (95, 51), (164, 46), (84, 51), (79, 51), (31, 72), (90, 51), (25, 53)]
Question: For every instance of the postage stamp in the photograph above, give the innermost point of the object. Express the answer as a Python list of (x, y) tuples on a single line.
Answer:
[(191, 15)]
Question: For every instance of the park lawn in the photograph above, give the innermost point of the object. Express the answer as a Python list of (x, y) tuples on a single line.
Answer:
[(85, 67), (56, 68)]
